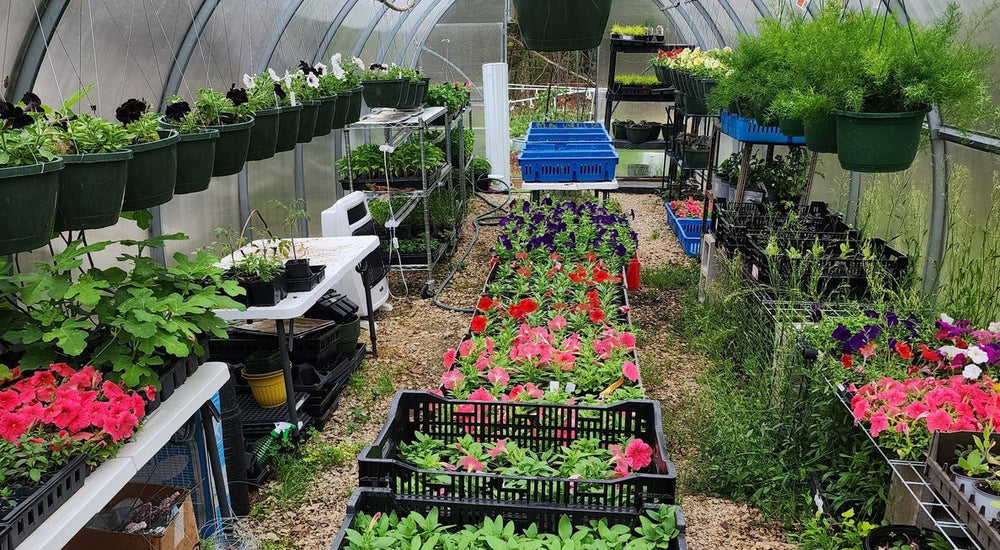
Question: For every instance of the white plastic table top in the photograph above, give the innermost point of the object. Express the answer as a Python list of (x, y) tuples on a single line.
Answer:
[(105, 482), (393, 117), (570, 185), (339, 254)]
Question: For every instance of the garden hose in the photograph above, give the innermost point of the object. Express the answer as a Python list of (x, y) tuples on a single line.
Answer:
[(486, 218)]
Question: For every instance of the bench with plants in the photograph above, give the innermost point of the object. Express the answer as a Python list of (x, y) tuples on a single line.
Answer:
[(637, 84), (366, 165)]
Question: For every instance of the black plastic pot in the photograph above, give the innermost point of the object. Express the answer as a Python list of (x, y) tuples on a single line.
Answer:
[(561, 25), (263, 294), (152, 172), (231, 148), (91, 190), (264, 134), (297, 269), (28, 205), (288, 128), (307, 121), (324, 115), (886, 535)]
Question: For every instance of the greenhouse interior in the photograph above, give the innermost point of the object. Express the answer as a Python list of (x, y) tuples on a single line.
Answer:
[(500, 274)]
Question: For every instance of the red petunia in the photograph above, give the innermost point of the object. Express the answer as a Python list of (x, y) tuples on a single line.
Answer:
[(903, 349), (485, 303), (847, 361), (596, 315), (478, 323)]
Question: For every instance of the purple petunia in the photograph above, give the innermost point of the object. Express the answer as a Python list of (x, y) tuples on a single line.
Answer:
[(841, 333)]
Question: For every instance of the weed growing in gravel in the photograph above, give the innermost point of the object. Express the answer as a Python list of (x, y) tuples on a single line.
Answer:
[(296, 469), (670, 277)]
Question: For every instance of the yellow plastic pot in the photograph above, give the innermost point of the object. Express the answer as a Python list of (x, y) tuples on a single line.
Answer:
[(268, 389)]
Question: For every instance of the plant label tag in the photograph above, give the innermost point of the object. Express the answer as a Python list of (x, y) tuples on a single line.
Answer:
[(802, 4), (570, 387), (553, 386), (754, 272)]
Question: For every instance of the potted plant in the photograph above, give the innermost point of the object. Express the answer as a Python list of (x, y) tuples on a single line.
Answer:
[(784, 177), (325, 96), (29, 176), (214, 111), (92, 183), (299, 275), (265, 374), (453, 96), (262, 101), (901, 537), (152, 174), (628, 32), (303, 88), (695, 151), (619, 129), (663, 65), (638, 132), (383, 88), (561, 25), (479, 169), (196, 145)]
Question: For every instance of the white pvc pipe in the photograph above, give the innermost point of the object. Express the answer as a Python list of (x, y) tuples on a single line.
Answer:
[(497, 118)]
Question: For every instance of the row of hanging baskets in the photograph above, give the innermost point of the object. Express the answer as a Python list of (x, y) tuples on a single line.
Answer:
[(278, 130)]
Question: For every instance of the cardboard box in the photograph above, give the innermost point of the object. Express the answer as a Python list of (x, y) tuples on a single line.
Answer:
[(181, 534)]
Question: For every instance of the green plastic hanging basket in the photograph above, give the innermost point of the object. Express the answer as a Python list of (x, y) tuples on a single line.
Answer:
[(231, 147), (384, 93), (821, 134), (561, 25), (878, 142), (340, 109), (152, 173), (791, 126), (195, 161), (288, 128), (28, 205), (307, 121), (354, 111), (324, 115), (91, 190), (264, 134)]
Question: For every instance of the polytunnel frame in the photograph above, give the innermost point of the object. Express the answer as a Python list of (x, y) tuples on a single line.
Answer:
[(36, 42)]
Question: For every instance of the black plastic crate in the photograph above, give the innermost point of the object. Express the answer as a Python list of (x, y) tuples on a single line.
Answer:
[(732, 223), (4, 529), (333, 306), (314, 345), (28, 515), (839, 274), (538, 426), (458, 514), (258, 421)]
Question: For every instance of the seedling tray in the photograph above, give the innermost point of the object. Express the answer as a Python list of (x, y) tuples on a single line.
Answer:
[(545, 517), (536, 426), (939, 460), (305, 285), (314, 341), (22, 520)]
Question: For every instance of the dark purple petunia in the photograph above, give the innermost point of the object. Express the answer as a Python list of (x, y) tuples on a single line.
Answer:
[(891, 319), (871, 331), (279, 91), (815, 313), (505, 241), (307, 68), (177, 111), (13, 116), (620, 250), (857, 341), (892, 343), (32, 103), (871, 314), (841, 333), (130, 111), (237, 95)]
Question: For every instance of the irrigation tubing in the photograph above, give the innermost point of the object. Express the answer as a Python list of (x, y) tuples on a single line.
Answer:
[(486, 218)]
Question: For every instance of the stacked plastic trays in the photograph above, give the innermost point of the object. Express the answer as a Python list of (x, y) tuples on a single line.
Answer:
[(567, 152)]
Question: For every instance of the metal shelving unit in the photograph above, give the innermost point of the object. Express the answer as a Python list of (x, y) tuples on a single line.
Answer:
[(398, 126)]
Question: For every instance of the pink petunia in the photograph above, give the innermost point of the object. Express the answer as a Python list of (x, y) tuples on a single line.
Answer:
[(498, 376), (450, 378), (481, 395), (466, 347), (639, 454), (449, 357), (630, 371), (499, 447), (533, 391), (939, 420), (879, 422), (557, 323), (470, 464)]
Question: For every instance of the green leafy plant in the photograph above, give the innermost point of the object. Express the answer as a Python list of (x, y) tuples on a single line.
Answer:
[(25, 136), (632, 30), (636, 80), (454, 96), (478, 167), (125, 320), (90, 134), (293, 211)]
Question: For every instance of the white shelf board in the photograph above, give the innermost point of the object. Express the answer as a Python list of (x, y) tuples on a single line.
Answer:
[(339, 254), (109, 478), (570, 185)]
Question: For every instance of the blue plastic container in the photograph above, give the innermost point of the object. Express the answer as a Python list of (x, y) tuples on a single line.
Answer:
[(688, 231), (564, 124), (747, 130), (595, 146), (567, 165), (568, 134)]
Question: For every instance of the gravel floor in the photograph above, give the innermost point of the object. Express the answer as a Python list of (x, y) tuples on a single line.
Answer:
[(415, 333)]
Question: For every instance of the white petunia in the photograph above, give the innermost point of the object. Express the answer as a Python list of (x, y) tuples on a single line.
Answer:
[(338, 71), (358, 63), (320, 68), (946, 319), (287, 79), (950, 351), (977, 355), (312, 81), (994, 327), (274, 76), (972, 372), (248, 81)]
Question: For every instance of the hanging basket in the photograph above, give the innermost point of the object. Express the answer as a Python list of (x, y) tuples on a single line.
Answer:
[(878, 142), (231, 148), (195, 161), (28, 205), (791, 127), (152, 174), (821, 134), (288, 128), (324, 115), (695, 159), (91, 190), (663, 75), (561, 25), (340, 109), (354, 111), (637, 134), (307, 121), (384, 93), (264, 134)]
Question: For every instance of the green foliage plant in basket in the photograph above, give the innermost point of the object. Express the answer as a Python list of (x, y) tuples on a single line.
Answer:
[(152, 172), (29, 176), (454, 96), (216, 111), (344, 78)]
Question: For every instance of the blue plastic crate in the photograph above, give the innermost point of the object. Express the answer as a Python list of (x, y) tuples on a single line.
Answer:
[(568, 134), (746, 129), (688, 231), (591, 146), (567, 165), (563, 124)]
